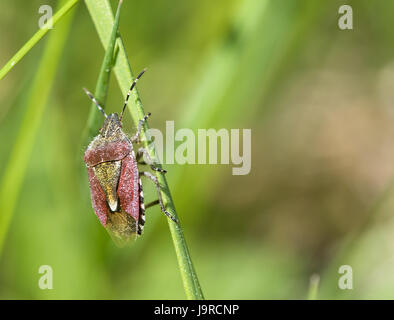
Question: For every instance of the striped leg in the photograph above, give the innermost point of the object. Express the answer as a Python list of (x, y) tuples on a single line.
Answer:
[(143, 152), (151, 204), (157, 185), (136, 137), (141, 219)]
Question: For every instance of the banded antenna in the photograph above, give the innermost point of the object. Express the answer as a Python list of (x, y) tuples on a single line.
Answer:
[(131, 89), (90, 95)]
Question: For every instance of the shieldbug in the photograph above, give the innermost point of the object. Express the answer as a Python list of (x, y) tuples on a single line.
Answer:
[(115, 183)]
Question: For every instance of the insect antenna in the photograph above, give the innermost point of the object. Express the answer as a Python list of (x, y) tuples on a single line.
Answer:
[(128, 94), (95, 101)]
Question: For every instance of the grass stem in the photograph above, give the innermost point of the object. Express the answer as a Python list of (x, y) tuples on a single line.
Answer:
[(36, 37), (37, 97), (313, 287), (101, 13)]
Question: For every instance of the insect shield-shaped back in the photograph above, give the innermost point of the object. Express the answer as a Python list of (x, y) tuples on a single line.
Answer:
[(114, 181)]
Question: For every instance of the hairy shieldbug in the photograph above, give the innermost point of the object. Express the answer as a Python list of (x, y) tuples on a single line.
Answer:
[(115, 183)]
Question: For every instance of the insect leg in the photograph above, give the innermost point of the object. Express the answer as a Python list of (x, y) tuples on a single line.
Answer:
[(157, 185), (136, 137), (151, 204), (149, 161)]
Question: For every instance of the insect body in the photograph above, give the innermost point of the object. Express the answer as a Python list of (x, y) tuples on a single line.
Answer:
[(115, 184)]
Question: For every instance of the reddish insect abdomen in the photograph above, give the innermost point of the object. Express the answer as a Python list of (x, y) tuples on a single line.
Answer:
[(126, 182), (128, 187), (99, 201)]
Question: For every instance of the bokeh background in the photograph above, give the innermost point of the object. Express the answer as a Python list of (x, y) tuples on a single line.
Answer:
[(319, 101)]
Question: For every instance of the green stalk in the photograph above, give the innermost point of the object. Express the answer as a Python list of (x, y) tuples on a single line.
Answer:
[(101, 13), (37, 97), (313, 287), (95, 119), (36, 37)]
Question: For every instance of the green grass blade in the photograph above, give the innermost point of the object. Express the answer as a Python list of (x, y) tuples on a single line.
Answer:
[(100, 11), (36, 37), (95, 119), (313, 287), (37, 97)]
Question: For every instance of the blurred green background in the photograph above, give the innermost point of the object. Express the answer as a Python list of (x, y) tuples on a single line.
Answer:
[(319, 101)]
